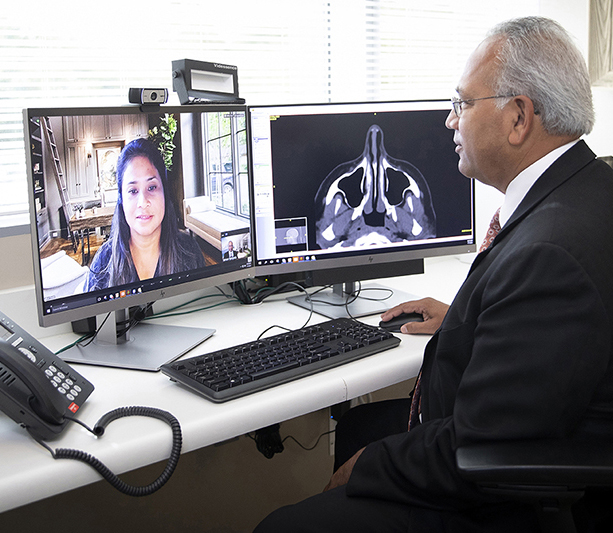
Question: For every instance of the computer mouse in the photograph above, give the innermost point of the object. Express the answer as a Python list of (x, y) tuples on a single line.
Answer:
[(395, 323)]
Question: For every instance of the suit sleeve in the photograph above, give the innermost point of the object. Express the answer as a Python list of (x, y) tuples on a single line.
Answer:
[(531, 357)]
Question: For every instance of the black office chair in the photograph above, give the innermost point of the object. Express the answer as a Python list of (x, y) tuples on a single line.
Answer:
[(550, 475)]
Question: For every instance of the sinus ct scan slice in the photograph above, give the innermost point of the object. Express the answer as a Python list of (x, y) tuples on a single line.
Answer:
[(373, 199)]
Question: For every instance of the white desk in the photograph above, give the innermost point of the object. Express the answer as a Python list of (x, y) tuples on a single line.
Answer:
[(29, 473)]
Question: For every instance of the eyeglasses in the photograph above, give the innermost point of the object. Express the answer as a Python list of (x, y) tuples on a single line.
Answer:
[(457, 102)]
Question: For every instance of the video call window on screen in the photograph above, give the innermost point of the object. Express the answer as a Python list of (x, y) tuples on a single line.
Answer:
[(105, 180)]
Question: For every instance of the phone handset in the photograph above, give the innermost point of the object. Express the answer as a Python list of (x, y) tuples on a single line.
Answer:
[(45, 400)]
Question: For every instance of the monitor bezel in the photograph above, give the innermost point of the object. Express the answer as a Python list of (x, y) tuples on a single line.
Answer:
[(95, 308)]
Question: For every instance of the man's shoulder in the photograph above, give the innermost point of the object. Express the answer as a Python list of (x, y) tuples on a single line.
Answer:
[(577, 182)]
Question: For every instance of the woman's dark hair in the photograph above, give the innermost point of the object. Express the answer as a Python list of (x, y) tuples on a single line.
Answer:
[(121, 265)]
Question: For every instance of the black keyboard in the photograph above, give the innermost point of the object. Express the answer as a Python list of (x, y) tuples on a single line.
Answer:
[(254, 366)]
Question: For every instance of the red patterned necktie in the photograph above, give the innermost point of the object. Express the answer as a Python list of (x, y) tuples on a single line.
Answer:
[(415, 404), (492, 231)]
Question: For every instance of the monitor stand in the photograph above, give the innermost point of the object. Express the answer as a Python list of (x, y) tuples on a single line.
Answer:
[(374, 299), (144, 347)]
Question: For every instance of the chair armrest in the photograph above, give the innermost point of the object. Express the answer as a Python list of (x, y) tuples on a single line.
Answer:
[(538, 463)]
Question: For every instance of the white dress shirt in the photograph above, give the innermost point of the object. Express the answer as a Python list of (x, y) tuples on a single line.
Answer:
[(523, 182)]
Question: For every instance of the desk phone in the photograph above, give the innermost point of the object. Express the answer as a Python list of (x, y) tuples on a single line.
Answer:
[(37, 388)]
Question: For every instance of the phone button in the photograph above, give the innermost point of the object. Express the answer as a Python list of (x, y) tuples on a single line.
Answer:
[(28, 354)]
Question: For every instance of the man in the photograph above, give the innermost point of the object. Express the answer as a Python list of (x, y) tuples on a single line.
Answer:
[(524, 351), (230, 254)]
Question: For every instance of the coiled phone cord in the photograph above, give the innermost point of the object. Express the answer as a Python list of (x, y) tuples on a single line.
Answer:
[(103, 470)]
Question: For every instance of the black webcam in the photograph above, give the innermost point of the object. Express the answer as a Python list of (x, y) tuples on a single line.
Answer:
[(147, 96)]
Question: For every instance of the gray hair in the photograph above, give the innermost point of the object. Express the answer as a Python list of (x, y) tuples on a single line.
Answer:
[(539, 60)]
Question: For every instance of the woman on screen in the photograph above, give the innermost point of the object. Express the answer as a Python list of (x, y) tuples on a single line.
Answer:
[(145, 239)]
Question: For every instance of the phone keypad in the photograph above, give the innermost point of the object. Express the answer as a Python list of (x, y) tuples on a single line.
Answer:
[(63, 383)]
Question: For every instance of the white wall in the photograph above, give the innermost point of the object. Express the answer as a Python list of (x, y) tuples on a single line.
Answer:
[(601, 138), (573, 15)]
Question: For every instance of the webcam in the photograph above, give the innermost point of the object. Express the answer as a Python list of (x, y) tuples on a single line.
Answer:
[(147, 96)]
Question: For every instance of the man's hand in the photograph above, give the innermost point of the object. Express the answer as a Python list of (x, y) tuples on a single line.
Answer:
[(341, 476), (432, 310)]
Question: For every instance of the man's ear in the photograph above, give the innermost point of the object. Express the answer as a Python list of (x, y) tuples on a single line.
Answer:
[(523, 115)]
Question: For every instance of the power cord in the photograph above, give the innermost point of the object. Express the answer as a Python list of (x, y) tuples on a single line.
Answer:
[(268, 441), (314, 445), (104, 471)]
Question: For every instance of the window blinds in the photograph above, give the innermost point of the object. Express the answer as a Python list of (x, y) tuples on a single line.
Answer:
[(86, 53)]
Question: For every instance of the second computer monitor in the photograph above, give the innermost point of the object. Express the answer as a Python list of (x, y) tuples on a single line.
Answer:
[(338, 188)]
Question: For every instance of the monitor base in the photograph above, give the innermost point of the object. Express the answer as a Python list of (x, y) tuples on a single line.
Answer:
[(149, 347), (338, 302)]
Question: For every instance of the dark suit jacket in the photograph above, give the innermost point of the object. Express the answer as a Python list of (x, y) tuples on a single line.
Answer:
[(525, 349)]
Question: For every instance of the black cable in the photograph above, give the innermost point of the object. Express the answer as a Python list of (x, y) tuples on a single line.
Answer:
[(314, 445), (276, 289), (350, 298), (241, 292), (266, 292), (75, 343), (268, 440), (171, 312), (137, 316), (94, 335), (99, 428)]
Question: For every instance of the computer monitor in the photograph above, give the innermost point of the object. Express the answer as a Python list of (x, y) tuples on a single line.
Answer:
[(356, 191), (130, 205)]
